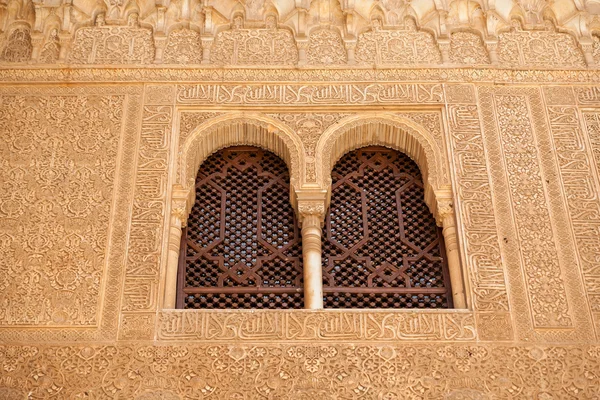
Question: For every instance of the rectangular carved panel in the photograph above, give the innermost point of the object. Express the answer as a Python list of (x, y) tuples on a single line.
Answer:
[(476, 210), (537, 243), (141, 288), (62, 167)]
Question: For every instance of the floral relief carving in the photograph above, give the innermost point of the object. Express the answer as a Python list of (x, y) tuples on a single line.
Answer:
[(112, 45), (450, 371), (18, 46), (406, 46), (325, 47), (183, 47), (58, 176), (539, 49), (309, 126), (596, 49), (467, 48), (545, 284), (240, 46), (190, 121), (51, 50)]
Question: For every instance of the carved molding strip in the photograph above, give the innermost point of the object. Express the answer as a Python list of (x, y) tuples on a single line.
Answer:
[(325, 326), (202, 73), (294, 94)]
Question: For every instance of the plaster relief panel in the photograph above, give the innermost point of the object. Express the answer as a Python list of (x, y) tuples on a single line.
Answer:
[(281, 371), (112, 45), (325, 47), (59, 159), (540, 246), (241, 46), (467, 48), (405, 46), (539, 48), (183, 47), (17, 46)]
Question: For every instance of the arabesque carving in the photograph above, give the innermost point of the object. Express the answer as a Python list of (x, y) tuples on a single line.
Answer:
[(325, 47), (184, 46), (58, 186), (542, 48), (106, 44), (94, 189), (406, 46), (240, 46), (258, 371), (17, 47), (467, 48)]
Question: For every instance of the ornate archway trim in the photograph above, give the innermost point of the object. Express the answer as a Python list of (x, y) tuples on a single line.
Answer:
[(389, 131), (240, 129)]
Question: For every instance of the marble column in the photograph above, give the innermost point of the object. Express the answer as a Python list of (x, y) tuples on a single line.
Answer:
[(178, 216), (311, 254), (446, 216), (311, 206)]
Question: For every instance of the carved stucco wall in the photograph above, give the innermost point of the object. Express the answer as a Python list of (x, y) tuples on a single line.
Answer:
[(91, 157), (82, 261)]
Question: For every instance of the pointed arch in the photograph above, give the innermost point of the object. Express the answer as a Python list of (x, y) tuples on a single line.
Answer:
[(240, 129), (389, 131)]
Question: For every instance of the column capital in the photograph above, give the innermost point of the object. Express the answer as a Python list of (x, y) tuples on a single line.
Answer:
[(444, 209), (180, 205), (311, 206)]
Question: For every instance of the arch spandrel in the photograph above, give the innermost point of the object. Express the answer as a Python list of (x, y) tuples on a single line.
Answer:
[(240, 129), (389, 131)]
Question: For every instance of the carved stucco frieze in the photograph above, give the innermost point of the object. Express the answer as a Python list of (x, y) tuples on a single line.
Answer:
[(184, 46), (301, 94), (407, 46), (282, 370), (239, 46), (539, 49), (112, 45)]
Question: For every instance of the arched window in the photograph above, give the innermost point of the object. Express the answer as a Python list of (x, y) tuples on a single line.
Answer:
[(241, 247), (381, 246)]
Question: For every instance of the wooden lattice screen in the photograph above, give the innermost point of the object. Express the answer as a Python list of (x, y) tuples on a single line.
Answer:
[(381, 246), (242, 246)]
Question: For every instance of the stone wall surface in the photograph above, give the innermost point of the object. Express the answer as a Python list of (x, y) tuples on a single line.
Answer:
[(107, 110)]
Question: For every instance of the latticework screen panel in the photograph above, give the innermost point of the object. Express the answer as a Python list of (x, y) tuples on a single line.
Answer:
[(242, 246), (381, 246)]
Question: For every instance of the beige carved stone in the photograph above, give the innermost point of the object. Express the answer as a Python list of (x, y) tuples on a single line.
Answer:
[(107, 110)]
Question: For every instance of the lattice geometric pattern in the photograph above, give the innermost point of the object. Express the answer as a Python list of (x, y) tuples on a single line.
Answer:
[(381, 246), (242, 246)]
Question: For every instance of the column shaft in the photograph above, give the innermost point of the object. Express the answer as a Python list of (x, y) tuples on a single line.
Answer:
[(172, 263), (456, 281), (311, 253)]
